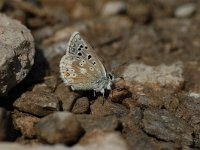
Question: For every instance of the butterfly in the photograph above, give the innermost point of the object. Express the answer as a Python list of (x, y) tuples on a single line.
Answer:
[(81, 68)]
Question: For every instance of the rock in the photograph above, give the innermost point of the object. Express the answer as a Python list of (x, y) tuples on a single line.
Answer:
[(189, 110), (197, 136), (37, 103), (51, 82), (90, 122), (114, 8), (155, 77), (16, 53), (118, 94), (4, 124), (59, 127), (100, 108), (165, 126), (81, 106), (132, 120), (98, 140), (25, 124), (185, 10), (67, 97), (129, 103)]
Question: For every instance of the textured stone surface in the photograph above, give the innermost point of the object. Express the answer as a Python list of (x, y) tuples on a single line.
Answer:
[(37, 103), (81, 106), (66, 96), (101, 108), (90, 122), (59, 127), (156, 77), (16, 53), (166, 126), (25, 123)]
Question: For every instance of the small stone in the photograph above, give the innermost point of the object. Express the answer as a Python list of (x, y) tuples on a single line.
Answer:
[(155, 77), (114, 8), (16, 53), (189, 110), (165, 126), (100, 108), (118, 94), (37, 103), (91, 122), (51, 82), (98, 140), (81, 106), (59, 127), (41, 87), (25, 123), (129, 103), (67, 97), (4, 124), (185, 10)]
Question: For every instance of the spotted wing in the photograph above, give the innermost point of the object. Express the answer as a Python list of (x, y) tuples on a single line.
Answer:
[(79, 47), (78, 73)]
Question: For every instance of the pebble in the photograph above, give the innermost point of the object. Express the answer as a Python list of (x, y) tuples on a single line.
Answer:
[(91, 122), (59, 127), (37, 103), (155, 77), (81, 106), (100, 108), (16, 53), (25, 123), (186, 10), (66, 96), (114, 8)]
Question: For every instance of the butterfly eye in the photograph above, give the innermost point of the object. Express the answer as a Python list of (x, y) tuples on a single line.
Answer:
[(86, 47)]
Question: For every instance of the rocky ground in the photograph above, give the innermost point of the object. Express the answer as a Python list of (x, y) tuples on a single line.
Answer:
[(153, 49)]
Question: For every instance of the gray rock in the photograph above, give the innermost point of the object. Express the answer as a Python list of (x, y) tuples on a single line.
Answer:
[(91, 122), (185, 10), (4, 124), (81, 106), (189, 110), (114, 8), (66, 96), (37, 103), (16, 53), (165, 126), (59, 127), (155, 77)]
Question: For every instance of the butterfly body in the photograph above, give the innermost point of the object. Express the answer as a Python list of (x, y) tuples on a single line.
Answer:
[(82, 69)]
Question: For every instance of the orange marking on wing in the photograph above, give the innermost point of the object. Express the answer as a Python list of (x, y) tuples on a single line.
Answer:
[(66, 74)]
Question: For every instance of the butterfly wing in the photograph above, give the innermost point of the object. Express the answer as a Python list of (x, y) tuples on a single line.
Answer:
[(79, 47), (78, 73)]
